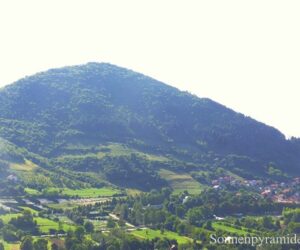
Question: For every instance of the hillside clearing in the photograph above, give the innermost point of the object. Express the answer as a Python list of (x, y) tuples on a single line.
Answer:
[(180, 182)]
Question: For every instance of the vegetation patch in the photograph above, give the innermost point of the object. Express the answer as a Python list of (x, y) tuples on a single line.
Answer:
[(45, 225), (26, 166), (10, 246), (32, 211), (181, 182), (231, 229), (133, 192), (7, 217), (152, 234), (85, 192), (32, 191), (115, 150)]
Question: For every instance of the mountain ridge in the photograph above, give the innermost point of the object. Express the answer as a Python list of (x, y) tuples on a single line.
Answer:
[(74, 110)]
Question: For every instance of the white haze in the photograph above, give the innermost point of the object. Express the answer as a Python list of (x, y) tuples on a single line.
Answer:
[(244, 54)]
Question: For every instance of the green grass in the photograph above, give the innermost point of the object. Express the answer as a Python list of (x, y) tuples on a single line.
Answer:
[(87, 192), (33, 211), (152, 234), (26, 166), (45, 225), (181, 182), (65, 219), (10, 246), (99, 224), (133, 192), (32, 191), (7, 217), (232, 229), (91, 192), (115, 149)]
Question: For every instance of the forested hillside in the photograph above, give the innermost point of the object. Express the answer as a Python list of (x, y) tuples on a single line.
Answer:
[(126, 127)]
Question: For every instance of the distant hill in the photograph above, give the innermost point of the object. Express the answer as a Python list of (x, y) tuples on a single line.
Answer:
[(81, 112)]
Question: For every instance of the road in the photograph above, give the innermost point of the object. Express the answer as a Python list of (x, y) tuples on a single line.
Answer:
[(115, 217)]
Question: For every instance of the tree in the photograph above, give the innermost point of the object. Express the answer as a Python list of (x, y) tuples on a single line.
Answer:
[(110, 223), (124, 212), (79, 233), (24, 222), (162, 244), (54, 247), (208, 225), (40, 244), (60, 227), (27, 243), (267, 222), (79, 220), (196, 215), (9, 234), (89, 227), (294, 227)]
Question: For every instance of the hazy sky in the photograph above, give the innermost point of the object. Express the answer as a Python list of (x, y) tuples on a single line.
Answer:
[(244, 54)]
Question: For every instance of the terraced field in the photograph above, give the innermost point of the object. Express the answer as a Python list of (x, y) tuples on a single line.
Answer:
[(87, 192), (115, 149), (181, 182)]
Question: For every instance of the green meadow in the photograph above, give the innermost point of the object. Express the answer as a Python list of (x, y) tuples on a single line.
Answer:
[(232, 229), (152, 234), (85, 192), (181, 182), (44, 224)]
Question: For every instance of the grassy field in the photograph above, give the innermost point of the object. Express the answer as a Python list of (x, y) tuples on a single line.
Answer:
[(91, 192), (26, 166), (151, 234), (133, 192), (82, 193), (98, 224), (7, 217), (63, 205), (87, 192), (232, 229), (33, 211), (32, 191), (64, 219), (181, 182), (16, 246), (115, 149), (44, 224), (10, 246)]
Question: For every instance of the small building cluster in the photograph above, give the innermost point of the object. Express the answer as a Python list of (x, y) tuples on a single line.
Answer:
[(280, 192)]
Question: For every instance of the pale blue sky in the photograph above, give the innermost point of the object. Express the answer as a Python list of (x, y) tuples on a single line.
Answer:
[(244, 54)]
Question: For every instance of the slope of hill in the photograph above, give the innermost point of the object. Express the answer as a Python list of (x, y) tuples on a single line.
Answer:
[(73, 115)]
